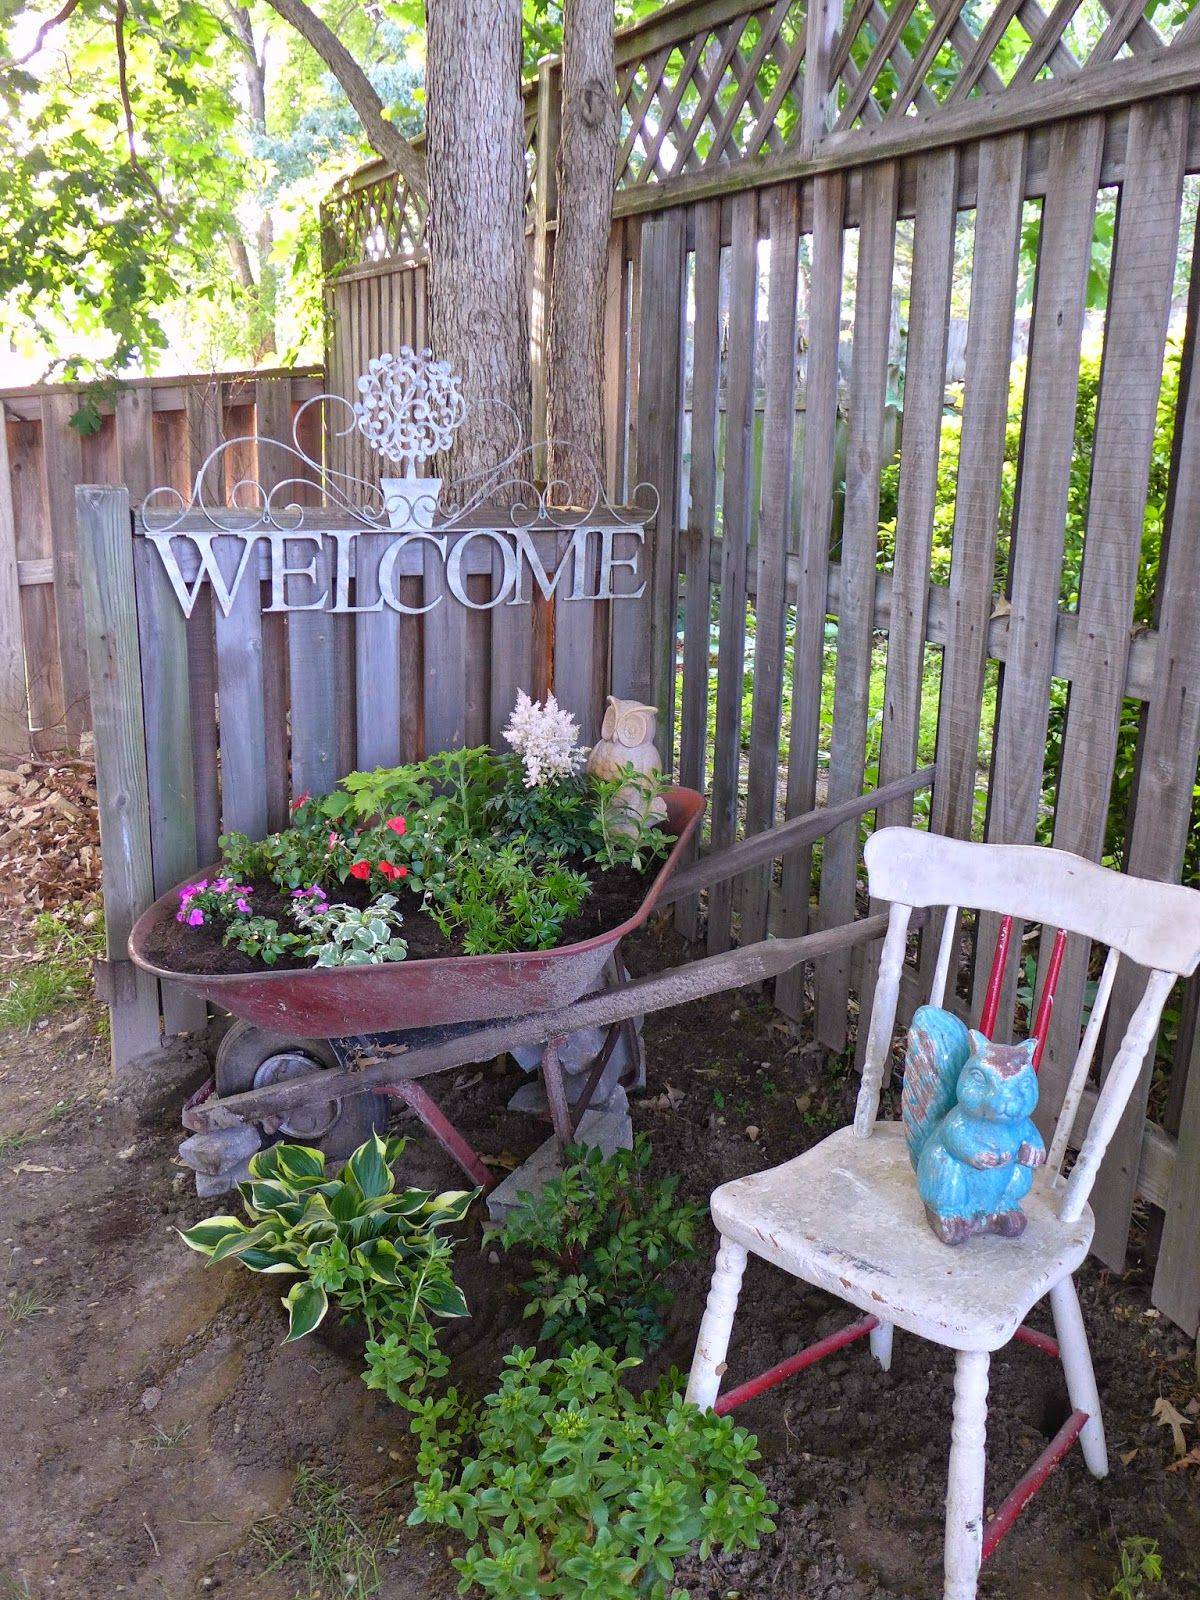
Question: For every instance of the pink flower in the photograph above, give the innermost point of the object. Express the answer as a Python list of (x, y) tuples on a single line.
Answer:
[(334, 841), (398, 825), (361, 869), (243, 904), (195, 918), (301, 800)]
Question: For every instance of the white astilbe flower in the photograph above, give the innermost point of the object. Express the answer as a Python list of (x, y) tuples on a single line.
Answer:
[(546, 738)]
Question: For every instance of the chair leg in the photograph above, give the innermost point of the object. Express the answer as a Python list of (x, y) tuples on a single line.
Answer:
[(881, 1344), (964, 1494), (1081, 1380), (716, 1326)]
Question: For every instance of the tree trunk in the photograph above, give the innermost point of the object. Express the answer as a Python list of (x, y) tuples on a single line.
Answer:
[(475, 162), (586, 161)]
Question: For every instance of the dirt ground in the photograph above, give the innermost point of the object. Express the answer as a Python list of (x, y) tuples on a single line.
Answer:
[(153, 1427)]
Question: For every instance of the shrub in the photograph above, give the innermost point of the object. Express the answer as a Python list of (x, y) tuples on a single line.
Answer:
[(579, 1489), (354, 1241), (603, 1236)]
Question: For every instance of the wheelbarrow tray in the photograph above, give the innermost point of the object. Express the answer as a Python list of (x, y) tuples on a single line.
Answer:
[(331, 1002)]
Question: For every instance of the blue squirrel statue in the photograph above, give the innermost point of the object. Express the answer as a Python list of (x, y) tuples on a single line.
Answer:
[(966, 1105)]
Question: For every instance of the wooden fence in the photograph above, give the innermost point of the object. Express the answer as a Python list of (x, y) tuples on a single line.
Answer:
[(812, 166), (155, 431)]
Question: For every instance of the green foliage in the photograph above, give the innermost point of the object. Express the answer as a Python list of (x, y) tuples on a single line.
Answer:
[(627, 831), (579, 1489), (603, 1237), (506, 897), (1140, 1568), (344, 936), (261, 937), (354, 1241), (559, 816)]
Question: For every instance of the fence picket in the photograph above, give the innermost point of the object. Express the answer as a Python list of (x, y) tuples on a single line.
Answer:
[(774, 526), (14, 697), (860, 527), (205, 431), (735, 553), (62, 467), (816, 511)]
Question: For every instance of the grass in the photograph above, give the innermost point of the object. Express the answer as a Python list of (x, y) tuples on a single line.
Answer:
[(168, 1438), (320, 1532), (59, 973), (25, 1306)]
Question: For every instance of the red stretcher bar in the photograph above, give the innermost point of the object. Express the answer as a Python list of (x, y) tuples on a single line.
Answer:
[(807, 1357)]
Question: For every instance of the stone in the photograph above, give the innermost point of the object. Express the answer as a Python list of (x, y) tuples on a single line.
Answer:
[(608, 1130)]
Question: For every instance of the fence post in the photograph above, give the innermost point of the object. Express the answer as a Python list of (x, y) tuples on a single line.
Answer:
[(816, 109), (14, 698), (114, 660), (545, 208)]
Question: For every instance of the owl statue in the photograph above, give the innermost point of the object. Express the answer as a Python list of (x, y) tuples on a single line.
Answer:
[(627, 740)]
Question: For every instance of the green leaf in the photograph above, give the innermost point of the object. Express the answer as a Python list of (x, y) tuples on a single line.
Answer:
[(445, 1298), (207, 1235), (368, 1170), (306, 1307), (300, 1161), (263, 1233)]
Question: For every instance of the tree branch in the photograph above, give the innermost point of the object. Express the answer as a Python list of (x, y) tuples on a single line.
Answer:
[(127, 108), (386, 140), (43, 33), (241, 259)]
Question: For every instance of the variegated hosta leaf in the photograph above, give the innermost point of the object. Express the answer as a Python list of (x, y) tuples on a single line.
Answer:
[(207, 1235), (381, 1259), (444, 1298), (281, 1260), (368, 1170), (259, 1198), (306, 1305), (449, 1207), (263, 1235), (298, 1164)]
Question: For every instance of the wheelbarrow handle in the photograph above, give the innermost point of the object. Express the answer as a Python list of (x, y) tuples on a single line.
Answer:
[(695, 980), (794, 834)]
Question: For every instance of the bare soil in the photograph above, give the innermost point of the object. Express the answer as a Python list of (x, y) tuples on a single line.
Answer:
[(615, 896), (153, 1425)]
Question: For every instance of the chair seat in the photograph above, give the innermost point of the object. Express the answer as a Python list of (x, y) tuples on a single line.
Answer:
[(846, 1216)]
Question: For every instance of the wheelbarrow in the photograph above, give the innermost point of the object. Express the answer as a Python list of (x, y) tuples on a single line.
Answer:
[(316, 1053)]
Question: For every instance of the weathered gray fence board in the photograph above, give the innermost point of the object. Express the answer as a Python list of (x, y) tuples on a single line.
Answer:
[(241, 702), (14, 698), (1040, 514), (446, 664), (204, 432), (860, 529), (735, 547), (774, 526), (377, 662), (62, 466), (111, 634), (816, 510), (1176, 1289), (317, 709), (273, 426)]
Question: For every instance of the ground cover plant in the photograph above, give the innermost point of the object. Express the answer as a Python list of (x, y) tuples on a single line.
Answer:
[(476, 851), (356, 1242), (602, 1238)]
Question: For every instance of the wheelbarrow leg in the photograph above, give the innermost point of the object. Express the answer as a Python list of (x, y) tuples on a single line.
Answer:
[(556, 1094), (443, 1130)]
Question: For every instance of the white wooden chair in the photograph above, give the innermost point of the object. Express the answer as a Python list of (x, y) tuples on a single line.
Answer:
[(846, 1215)]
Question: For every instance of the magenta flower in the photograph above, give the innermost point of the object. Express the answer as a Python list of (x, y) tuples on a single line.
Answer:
[(195, 918)]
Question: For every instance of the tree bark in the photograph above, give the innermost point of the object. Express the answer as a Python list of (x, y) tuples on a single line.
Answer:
[(475, 232), (586, 162), (385, 140)]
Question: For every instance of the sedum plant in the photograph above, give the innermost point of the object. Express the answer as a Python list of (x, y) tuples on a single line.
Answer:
[(355, 1242), (506, 897), (603, 1237), (580, 1490)]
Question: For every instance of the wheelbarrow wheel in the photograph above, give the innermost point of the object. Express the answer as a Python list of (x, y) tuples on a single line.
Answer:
[(250, 1057)]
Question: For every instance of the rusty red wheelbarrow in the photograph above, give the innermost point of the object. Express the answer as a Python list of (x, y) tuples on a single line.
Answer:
[(376, 1031), (295, 1025)]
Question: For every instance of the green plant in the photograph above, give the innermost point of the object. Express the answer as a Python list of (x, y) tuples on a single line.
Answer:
[(339, 1550), (66, 943), (558, 816), (1140, 1566), (579, 1489), (354, 1241), (261, 937), (506, 897), (603, 1237), (25, 1306), (344, 936), (627, 832)]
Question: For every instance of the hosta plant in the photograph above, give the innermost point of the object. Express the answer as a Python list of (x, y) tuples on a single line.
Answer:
[(580, 1490), (603, 1237), (356, 1242)]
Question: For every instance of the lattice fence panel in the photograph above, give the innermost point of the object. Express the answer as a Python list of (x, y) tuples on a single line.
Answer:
[(731, 92), (903, 58)]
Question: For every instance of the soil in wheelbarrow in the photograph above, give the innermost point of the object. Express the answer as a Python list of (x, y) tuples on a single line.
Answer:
[(614, 897)]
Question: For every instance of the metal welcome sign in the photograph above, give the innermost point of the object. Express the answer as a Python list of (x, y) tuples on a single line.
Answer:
[(408, 409)]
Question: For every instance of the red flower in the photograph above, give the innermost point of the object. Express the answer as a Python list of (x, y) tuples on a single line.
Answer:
[(398, 825), (301, 800), (361, 869), (389, 871)]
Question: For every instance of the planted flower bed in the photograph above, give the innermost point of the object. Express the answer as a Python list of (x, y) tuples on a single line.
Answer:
[(468, 853)]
